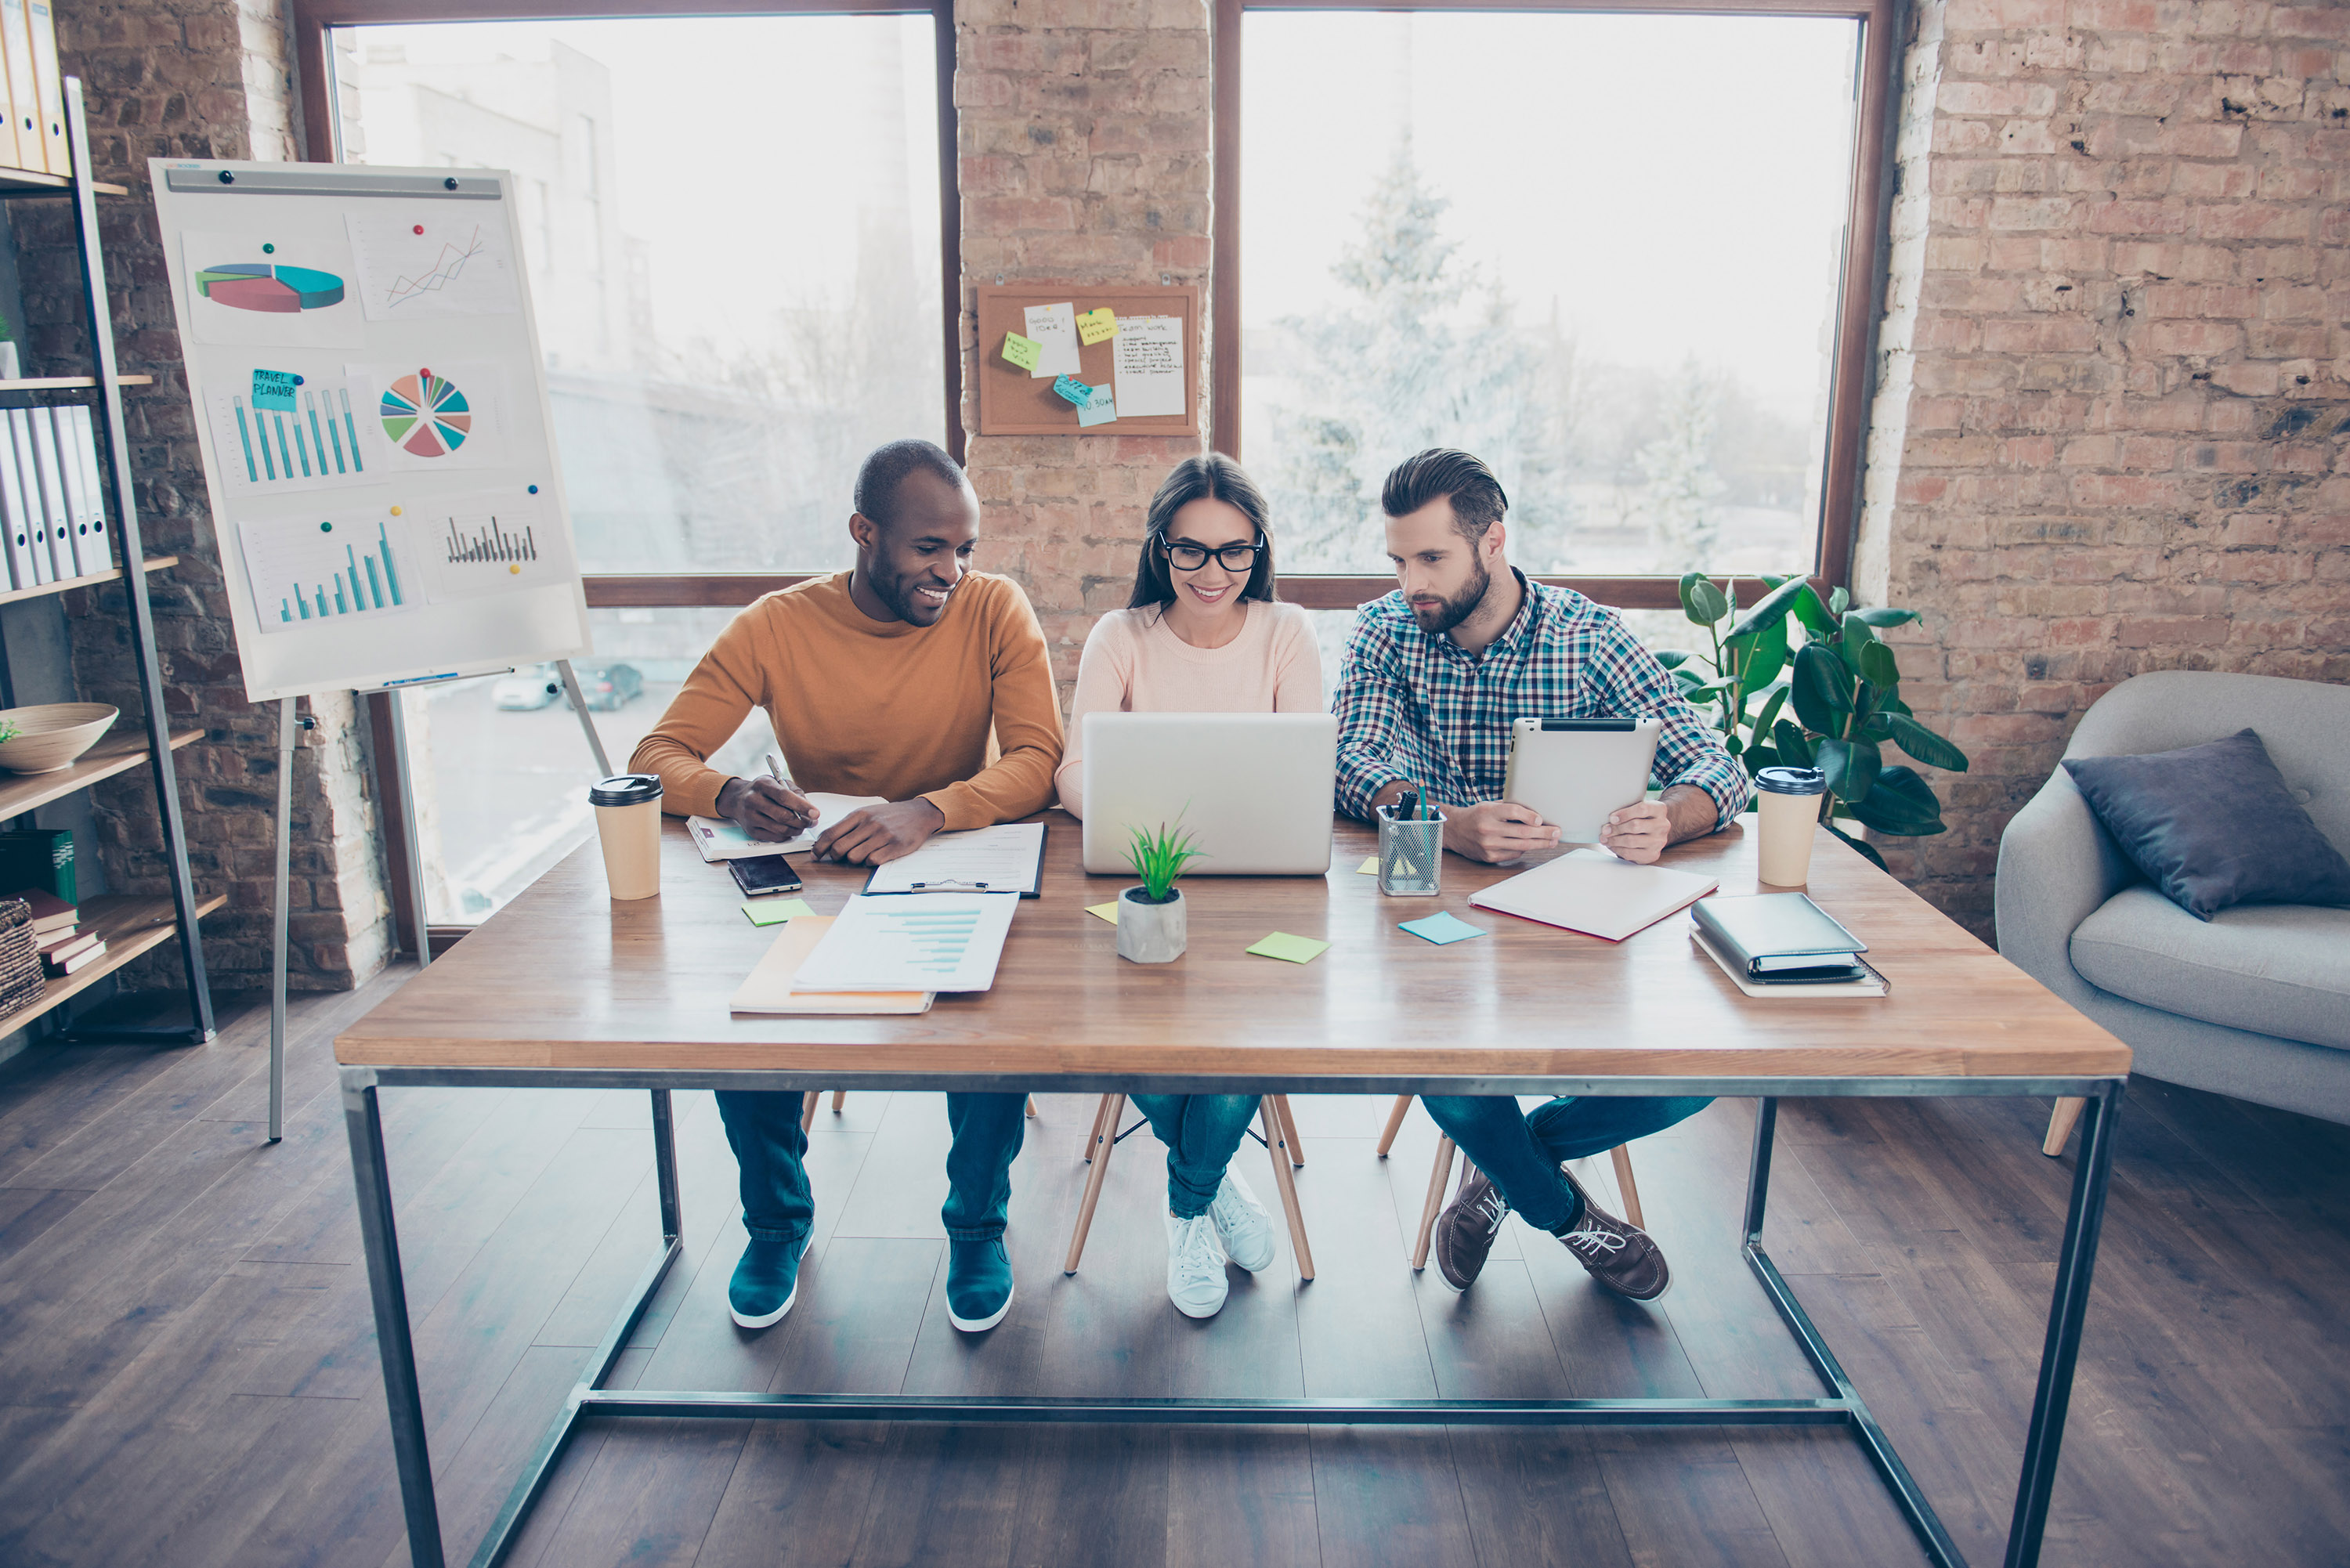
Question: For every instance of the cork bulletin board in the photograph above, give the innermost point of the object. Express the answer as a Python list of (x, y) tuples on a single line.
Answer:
[(1014, 402)]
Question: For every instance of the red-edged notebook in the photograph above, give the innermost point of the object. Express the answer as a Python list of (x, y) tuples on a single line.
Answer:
[(1591, 892)]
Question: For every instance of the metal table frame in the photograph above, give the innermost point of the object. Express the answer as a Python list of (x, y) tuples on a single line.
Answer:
[(1840, 1405)]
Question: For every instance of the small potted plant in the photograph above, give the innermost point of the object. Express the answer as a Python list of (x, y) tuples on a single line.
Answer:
[(1150, 922)]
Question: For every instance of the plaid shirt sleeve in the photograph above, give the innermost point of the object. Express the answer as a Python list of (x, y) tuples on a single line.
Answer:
[(1375, 718), (1689, 750)]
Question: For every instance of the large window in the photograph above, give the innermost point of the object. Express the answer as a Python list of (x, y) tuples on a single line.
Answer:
[(732, 229), (1606, 252)]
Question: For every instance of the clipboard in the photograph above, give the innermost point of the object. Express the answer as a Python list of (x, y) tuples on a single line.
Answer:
[(1035, 878)]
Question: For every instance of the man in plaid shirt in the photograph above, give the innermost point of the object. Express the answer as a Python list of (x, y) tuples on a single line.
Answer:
[(1434, 676)]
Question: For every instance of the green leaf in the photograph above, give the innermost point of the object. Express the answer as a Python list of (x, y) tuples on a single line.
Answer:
[(1769, 709), (1882, 617), (1793, 750), (1674, 657), (1773, 605), (1822, 689), (1814, 614), (1694, 695), (1761, 757), (1860, 847), (1924, 744), (1764, 653), (1733, 743), (1839, 601), (1879, 666), (1876, 730), (1902, 804), (1701, 601), (1851, 767)]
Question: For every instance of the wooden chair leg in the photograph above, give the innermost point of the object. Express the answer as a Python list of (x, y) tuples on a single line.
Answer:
[(809, 1102), (1032, 1108), (1622, 1154), (1275, 1141), (840, 1098), (1094, 1137), (2060, 1124), (1289, 1131), (1395, 1123), (1438, 1174), (1105, 1144)]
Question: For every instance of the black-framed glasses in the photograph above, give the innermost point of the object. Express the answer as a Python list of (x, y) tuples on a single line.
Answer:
[(1231, 557)]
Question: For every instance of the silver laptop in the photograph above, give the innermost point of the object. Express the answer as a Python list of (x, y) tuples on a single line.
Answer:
[(1254, 789)]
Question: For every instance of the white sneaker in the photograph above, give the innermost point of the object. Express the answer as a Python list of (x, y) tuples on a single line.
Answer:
[(1195, 1267), (1242, 1224)]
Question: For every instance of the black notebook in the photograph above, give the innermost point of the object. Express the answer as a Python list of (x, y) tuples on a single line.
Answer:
[(1780, 935)]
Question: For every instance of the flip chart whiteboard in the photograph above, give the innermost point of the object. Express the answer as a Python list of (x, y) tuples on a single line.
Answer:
[(374, 419)]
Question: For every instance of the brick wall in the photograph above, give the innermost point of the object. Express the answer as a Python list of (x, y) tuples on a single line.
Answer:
[(200, 80), (2113, 431), (1083, 138)]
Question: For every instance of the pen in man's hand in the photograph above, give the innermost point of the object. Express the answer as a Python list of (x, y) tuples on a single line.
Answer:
[(775, 771)]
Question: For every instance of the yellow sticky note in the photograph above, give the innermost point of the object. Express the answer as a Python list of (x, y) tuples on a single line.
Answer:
[(1094, 325), (1290, 949), (775, 911), (1103, 912), (1022, 351), (1369, 868)]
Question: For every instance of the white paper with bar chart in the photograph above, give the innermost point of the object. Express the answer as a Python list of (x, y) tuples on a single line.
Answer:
[(374, 419), (911, 941)]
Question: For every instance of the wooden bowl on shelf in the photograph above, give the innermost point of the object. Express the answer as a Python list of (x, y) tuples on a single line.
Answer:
[(51, 736)]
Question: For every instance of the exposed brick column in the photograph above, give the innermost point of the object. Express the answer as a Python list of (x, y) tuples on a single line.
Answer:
[(205, 79), (2126, 441), (1083, 135)]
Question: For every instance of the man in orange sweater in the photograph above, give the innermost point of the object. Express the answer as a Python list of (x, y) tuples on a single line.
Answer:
[(892, 678)]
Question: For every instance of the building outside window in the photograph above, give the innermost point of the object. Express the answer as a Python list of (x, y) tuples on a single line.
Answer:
[(725, 334)]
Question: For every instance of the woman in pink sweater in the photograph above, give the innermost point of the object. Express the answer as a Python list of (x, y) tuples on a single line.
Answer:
[(1202, 634)]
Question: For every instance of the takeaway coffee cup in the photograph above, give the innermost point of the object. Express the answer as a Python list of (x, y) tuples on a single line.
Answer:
[(627, 821), (1790, 804)]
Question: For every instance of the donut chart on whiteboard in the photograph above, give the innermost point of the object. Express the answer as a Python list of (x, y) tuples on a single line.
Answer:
[(426, 415)]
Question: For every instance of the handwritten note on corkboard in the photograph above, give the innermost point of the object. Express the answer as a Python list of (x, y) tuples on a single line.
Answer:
[(1162, 362)]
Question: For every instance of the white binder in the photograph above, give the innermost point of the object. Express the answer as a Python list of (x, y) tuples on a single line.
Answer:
[(37, 516), (17, 515), (93, 546), (47, 470), (24, 99)]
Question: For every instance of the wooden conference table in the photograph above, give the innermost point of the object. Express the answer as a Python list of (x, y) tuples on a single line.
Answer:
[(564, 988)]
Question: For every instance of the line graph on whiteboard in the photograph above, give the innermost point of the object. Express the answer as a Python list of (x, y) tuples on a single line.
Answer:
[(432, 259)]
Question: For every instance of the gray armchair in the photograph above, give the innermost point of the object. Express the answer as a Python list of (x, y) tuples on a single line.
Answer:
[(2254, 1004)]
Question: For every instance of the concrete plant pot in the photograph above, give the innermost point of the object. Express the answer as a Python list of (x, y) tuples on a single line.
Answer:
[(1148, 932)]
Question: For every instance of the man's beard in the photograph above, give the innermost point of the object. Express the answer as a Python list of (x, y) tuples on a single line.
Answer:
[(1459, 608), (898, 594)]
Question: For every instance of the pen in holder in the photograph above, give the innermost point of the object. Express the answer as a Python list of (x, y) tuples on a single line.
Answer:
[(1412, 851)]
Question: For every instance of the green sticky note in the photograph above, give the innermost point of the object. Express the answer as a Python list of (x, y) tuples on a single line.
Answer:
[(1290, 949), (775, 911), (1103, 912), (1022, 351), (1369, 868)]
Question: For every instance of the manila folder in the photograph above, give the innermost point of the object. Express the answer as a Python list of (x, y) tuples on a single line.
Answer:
[(1591, 892), (769, 989)]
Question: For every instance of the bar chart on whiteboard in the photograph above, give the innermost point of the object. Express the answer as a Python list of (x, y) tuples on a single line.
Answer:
[(307, 570), (489, 542), (279, 430)]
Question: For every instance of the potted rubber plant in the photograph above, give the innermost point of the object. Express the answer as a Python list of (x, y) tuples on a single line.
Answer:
[(1151, 927)]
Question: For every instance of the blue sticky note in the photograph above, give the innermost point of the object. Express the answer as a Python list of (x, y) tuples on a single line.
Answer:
[(275, 389), (1442, 929), (1074, 390), (1102, 410)]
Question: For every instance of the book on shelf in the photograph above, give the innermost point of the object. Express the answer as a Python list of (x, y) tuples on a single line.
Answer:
[(47, 942), (49, 912), (76, 940), (81, 959), (39, 857)]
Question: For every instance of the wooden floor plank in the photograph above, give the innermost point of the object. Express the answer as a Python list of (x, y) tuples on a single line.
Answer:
[(1241, 1494), (797, 1495), (1388, 1497)]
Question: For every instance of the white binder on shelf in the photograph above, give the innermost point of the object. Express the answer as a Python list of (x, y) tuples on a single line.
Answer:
[(41, 22), (50, 472), (24, 103), (93, 552), (36, 515), (16, 515)]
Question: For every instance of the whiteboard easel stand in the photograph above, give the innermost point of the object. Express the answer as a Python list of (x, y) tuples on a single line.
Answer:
[(587, 720), (289, 730)]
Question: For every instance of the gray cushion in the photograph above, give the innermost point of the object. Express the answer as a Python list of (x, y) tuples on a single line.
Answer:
[(2273, 968)]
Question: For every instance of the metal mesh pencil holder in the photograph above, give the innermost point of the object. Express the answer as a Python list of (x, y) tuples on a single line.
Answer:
[(1412, 855)]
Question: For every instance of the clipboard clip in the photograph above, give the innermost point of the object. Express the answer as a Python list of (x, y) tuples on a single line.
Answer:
[(947, 885)]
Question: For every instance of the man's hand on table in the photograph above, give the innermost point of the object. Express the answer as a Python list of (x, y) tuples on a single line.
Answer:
[(768, 811), (874, 834), (1640, 832)]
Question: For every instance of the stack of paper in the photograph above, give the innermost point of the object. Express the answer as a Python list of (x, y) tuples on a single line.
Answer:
[(1591, 892), (769, 989), (1006, 859), (929, 942), (719, 839)]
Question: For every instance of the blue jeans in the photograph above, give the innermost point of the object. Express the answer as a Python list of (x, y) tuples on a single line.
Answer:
[(1200, 1132), (770, 1148), (1521, 1153)]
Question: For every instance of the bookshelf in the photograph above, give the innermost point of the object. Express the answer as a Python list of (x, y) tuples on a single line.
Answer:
[(131, 925)]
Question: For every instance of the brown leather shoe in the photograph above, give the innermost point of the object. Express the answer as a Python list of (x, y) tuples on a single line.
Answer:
[(1622, 1257), (1465, 1230)]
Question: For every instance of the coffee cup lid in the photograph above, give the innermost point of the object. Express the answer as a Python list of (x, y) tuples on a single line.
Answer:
[(1793, 781), (625, 789)]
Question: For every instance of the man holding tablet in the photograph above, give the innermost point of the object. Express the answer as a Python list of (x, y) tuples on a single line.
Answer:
[(1434, 675)]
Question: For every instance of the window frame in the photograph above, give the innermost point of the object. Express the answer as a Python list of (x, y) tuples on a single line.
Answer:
[(1859, 285)]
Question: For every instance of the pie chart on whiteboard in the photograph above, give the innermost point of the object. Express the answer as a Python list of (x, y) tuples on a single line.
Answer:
[(426, 415)]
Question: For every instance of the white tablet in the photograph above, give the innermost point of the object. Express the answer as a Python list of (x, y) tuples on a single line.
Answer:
[(1576, 771)]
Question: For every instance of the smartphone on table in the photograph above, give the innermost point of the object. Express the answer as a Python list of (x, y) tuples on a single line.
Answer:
[(765, 874)]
